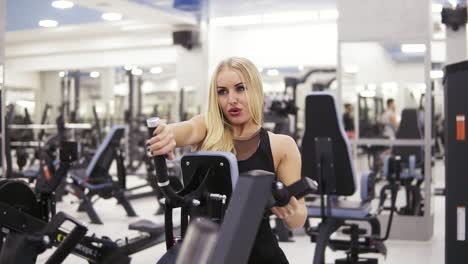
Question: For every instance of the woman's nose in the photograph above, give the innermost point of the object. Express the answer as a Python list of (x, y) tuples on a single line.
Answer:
[(233, 98)]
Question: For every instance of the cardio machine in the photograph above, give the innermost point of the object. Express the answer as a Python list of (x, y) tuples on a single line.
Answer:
[(215, 191)]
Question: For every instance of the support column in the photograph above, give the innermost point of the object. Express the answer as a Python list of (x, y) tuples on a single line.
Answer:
[(456, 44), (191, 75)]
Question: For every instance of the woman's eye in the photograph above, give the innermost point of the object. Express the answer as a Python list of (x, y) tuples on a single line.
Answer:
[(222, 91), (240, 88)]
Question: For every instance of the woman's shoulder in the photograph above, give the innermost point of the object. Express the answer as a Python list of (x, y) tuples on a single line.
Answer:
[(281, 143)]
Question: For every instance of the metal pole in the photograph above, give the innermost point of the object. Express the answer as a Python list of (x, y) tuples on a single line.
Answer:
[(76, 103)]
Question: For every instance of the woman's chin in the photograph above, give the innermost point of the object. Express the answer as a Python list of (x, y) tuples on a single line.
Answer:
[(237, 121)]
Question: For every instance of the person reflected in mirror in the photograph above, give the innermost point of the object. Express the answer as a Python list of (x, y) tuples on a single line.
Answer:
[(389, 120), (348, 120)]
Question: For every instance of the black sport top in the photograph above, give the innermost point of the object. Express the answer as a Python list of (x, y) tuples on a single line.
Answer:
[(266, 248)]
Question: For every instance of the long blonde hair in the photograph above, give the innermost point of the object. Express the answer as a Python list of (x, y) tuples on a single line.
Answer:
[(219, 132)]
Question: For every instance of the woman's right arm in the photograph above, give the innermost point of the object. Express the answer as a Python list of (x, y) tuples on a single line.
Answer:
[(190, 132), (167, 137)]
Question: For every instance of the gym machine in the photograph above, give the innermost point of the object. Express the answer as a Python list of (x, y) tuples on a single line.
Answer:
[(326, 157), (279, 112), (210, 179), (25, 214), (456, 200)]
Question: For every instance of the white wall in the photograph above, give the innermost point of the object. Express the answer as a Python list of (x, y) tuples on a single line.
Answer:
[(375, 65), (20, 79), (276, 45)]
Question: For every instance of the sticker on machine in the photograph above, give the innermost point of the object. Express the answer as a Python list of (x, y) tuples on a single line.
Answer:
[(461, 223), (460, 127)]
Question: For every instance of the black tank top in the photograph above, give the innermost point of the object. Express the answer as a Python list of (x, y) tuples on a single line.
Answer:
[(266, 249)]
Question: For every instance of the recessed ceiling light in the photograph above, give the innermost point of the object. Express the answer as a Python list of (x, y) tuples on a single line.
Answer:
[(156, 70), (137, 71), (351, 69), (62, 74), (272, 72), (436, 74), (48, 23), (413, 48), (62, 4), (111, 16), (128, 67), (94, 74)]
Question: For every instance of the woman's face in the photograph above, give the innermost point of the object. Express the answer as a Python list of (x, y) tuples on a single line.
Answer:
[(232, 97)]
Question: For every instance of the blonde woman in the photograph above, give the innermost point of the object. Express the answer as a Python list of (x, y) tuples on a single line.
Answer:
[(233, 123)]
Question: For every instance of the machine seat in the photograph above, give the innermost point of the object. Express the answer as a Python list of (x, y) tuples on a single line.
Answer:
[(344, 209)]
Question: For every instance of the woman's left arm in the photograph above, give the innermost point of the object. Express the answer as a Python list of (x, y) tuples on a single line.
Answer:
[(294, 214)]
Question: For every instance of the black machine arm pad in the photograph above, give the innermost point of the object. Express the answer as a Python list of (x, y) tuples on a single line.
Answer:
[(299, 189), (72, 239)]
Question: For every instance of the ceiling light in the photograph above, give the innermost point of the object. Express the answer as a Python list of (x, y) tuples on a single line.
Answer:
[(300, 67), (236, 20), (436, 74), (272, 72), (352, 69), (94, 74), (156, 70), (111, 16), (290, 17), (128, 67), (48, 23), (329, 14), (62, 4), (61, 74), (137, 71), (413, 48)]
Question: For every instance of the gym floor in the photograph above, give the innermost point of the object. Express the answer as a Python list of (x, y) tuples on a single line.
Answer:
[(298, 252)]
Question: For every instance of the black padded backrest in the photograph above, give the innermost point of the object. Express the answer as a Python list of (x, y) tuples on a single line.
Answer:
[(409, 129), (322, 119), (105, 154)]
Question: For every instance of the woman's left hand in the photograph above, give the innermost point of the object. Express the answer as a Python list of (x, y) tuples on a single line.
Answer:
[(291, 209)]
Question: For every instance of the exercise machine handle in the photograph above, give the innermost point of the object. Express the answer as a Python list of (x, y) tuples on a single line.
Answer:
[(281, 194), (161, 170)]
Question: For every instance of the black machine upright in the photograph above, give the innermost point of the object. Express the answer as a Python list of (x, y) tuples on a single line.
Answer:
[(456, 167)]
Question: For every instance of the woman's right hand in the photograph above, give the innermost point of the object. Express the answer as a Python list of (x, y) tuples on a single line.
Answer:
[(162, 143)]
